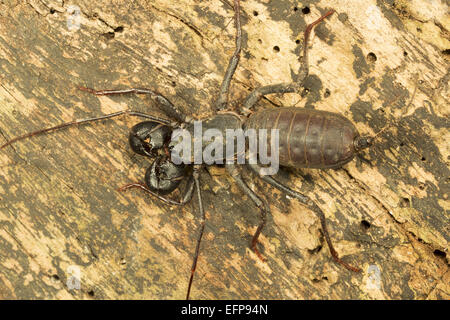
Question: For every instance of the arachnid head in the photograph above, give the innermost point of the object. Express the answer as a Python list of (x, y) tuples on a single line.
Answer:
[(163, 176), (362, 142), (149, 136)]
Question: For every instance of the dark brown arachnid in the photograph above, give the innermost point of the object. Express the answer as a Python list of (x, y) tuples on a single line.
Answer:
[(307, 139)]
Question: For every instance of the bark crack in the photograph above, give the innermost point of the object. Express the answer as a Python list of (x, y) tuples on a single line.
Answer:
[(188, 24), (438, 281), (392, 217)]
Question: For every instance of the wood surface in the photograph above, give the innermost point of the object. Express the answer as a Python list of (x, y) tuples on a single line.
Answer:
[(60, 211)]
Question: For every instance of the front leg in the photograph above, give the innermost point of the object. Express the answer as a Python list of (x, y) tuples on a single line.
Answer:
[(196, 176), (167, 107)]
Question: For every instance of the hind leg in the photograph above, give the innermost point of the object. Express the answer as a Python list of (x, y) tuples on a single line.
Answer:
[(261, 204), (303, 72), (311, 205)]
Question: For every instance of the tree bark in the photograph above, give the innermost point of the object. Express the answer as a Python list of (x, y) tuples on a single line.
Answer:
[(62, 218)]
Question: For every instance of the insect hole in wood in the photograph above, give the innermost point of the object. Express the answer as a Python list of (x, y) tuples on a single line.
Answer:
[(307, 139)]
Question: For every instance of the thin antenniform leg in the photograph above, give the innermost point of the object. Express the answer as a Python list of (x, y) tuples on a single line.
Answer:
[(222, 101), (87, 120), (262, 205), (310, 204), (185, 199), (166, 105), (196, 175), (256, 94)]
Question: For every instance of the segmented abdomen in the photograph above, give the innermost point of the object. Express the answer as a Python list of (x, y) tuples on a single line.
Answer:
[(308, 138)]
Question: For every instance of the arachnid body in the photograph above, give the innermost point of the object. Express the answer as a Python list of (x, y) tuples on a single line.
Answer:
[(164, 176), (152, 138)]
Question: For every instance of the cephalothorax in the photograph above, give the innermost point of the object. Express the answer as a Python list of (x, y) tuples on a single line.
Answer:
[(307, 138)]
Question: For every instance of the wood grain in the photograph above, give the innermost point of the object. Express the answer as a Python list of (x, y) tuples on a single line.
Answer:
[(388, 211)]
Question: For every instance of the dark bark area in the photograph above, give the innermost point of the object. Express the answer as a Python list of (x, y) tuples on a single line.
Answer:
[(59, 206)]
